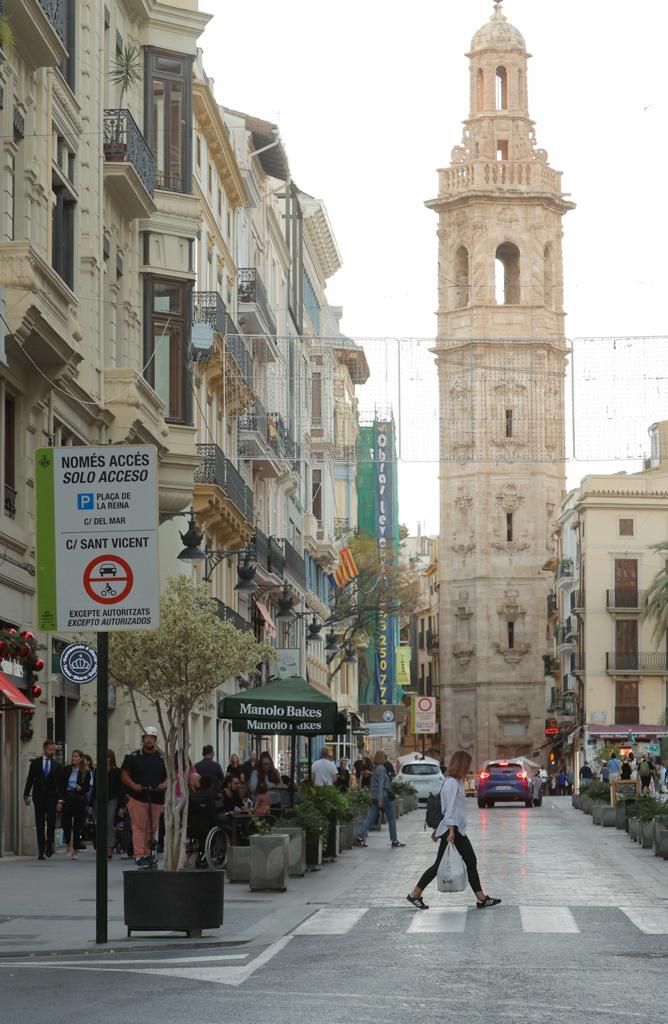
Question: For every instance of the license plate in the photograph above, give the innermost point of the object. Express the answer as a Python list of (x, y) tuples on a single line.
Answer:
[(504, 787)]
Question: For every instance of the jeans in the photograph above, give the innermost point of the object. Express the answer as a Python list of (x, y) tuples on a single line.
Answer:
[(371, 817), (465, 850)]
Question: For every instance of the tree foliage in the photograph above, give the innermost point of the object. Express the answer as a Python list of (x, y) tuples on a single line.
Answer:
[(175, 668), (656, 598)]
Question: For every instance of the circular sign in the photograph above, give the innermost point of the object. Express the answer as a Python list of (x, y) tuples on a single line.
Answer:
[(78, 663), (108, 579), (425, 704), (388, 716)]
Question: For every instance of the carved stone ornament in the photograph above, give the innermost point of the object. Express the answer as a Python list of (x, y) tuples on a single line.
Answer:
[(465, 731), (510, 499), (462, 549), (463, 654), (510, 547), (510, 607), (513, 655), (463, 501), (463, 610)]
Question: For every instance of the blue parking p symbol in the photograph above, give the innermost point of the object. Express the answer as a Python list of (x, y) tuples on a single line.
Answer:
[(85, 502)]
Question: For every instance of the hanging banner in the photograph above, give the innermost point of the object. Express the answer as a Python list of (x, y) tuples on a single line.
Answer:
[(386, 625), (403, 665)]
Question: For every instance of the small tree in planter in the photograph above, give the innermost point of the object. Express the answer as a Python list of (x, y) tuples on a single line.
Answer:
[(126, 71), (305, 814), (176, 667)]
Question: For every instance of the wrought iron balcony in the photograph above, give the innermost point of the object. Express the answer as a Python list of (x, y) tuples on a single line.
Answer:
[(260, 549), (251, 293), (642, 662), (276, 557), (10, 502), (209, 308), (627, 599), (124, 143), (216, 469), (55, 12), (552, 605), (226, 614), (294, 563), (432, 641)]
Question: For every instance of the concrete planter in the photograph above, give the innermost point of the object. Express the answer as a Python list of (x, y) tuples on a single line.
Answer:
[(313, 850), (597, 813), (661, 843), (237, 867), (647, 834), (296, 849), (575, 800), (634, 829), (173, 901), (620, 816), (586, 804), (269, 863), (346, 836), (609, 817)]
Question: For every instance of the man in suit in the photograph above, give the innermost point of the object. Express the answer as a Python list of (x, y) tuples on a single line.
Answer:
[(44, 785)]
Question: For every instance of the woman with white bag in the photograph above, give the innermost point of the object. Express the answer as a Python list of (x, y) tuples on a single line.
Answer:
[(452, 830)]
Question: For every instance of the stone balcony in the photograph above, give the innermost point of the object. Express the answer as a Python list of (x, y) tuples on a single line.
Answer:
[(41, 25), (528, 176)]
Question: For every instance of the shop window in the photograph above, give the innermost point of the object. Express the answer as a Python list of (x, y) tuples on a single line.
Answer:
[(169, 117), (167, 344)]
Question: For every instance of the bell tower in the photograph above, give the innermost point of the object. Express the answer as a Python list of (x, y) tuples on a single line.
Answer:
[(501, 356)]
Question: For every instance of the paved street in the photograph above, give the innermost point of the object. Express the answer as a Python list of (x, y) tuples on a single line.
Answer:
[(583, 928)]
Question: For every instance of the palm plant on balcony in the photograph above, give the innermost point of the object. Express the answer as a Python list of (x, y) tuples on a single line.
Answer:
[(126, 72), (6, 34)]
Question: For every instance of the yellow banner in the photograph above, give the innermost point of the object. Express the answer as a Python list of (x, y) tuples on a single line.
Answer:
[(403, 665)]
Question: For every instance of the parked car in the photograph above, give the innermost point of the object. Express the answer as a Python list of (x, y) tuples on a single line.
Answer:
[(504, 781), (424, 773)]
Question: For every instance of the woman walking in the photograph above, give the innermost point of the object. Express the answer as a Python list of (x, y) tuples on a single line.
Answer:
[(452, 829), (76, 779), (114, 794), (380, 801)]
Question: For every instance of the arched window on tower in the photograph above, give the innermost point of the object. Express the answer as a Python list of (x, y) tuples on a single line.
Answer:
[(501, 89), (480, 90), (461, 276), (548, 276), (507, 277)]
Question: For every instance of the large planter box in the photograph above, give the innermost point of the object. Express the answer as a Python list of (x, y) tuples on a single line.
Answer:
[(237, 867), (661, 843), (332, 844), (313, 850), (620, 816), (586, 804), (296, 849), (647, 834), (634, 829), (173, 901), (575, 800), (345, 836), (597, 813), (269, 863), (609, 817)]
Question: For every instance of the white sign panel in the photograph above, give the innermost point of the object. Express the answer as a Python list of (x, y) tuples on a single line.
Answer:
[(424, 715), (97, 538)]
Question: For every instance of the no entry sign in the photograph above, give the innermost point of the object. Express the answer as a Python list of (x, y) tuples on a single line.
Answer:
[(97, 538), (424, 715)]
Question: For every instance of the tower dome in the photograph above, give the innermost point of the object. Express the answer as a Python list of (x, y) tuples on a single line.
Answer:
[(498, 34)]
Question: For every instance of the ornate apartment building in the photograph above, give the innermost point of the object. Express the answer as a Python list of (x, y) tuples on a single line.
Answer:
[(500, 357)]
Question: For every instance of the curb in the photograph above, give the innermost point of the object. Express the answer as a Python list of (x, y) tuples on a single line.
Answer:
[(119, 946)]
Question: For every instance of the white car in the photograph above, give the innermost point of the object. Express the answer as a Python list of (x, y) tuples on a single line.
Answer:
[(423, 773)]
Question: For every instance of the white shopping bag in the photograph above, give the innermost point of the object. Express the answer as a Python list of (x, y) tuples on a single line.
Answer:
[(451, 875)]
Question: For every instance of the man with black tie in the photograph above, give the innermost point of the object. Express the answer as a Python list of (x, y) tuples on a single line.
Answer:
[(44, 784)]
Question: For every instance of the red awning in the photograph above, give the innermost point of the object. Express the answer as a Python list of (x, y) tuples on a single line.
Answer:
[(269, 626), (16, 697)]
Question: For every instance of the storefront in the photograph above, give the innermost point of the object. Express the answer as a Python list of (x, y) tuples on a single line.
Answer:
[(636, 739), (16, 709)]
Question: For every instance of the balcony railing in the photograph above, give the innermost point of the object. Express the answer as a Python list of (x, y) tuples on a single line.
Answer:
[(626, 598), (124, 142), (227, 614), (432, 641), (641, 661), (276, 557), (55, 12), (251, 290), (565, 567), (552, 606), (294, 563), (261, 549), (209, 308), (10, 502), (216, 469)]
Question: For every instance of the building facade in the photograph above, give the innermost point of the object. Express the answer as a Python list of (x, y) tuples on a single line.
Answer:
[(500, 356)]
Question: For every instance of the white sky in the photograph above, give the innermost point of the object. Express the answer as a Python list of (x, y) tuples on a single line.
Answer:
[(370, 95)]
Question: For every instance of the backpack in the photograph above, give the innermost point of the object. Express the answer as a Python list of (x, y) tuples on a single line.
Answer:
[(644, 770), (605, 774), (434, 814)]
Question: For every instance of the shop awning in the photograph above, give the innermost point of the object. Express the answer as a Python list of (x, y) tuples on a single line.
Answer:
[(616, 732), (266, 618), (283, 707), (12, 693)]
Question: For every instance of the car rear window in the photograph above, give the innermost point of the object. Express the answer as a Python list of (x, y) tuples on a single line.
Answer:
[(502, 769), (419, 769)]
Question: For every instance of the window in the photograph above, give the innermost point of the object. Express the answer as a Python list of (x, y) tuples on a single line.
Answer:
[(501, 89), (210, 179), (316, 399), (509, 526), (167, 344), (625, 527), (509, 422), (316, 490), (169, 117), (9, 452), (511, 636), (627, 710), (62, 248), (480, 89), (461, 277), (67, 68), (507, 274), (502, 149), (198, 152)]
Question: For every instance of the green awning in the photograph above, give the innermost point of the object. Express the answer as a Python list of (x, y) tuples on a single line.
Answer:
[(283, 707)]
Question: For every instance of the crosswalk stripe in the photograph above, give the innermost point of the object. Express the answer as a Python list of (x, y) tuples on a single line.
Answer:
[(547, 920), (453, 920), (331, 922), (651, 920)]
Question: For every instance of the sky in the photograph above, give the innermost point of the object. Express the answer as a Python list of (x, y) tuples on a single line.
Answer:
[(369, 97)]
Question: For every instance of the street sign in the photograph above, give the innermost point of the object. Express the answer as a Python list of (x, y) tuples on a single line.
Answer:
[(424, 715), (97, 538), (78, 663), (654, 749)]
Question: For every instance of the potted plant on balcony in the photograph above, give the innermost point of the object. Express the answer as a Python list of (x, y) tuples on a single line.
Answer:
[(126, 71), (6, 36), (174, 669)]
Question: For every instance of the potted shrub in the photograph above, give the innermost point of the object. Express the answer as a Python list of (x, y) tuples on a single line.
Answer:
[(126, 71), (307, 816), (661, 835), (175, 668), (334, 808), (647, 808), (598, 794)]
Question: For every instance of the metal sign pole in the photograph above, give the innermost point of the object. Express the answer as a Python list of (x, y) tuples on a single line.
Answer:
[(101, 866)]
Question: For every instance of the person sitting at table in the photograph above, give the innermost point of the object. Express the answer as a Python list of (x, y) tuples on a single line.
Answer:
[(268, 775), (232, 800), (245, 797), (262, 805)]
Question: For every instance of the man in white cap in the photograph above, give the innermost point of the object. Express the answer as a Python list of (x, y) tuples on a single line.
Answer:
[(144, 774)]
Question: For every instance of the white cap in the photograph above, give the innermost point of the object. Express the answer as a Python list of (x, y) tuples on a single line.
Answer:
[(150, 730)]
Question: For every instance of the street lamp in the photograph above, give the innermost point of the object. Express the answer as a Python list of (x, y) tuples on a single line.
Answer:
[(212, 557)]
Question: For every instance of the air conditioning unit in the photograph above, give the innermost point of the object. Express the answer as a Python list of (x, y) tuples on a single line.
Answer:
[(201, 339)]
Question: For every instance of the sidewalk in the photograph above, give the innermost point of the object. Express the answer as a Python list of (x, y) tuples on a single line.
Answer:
[(49, 906)]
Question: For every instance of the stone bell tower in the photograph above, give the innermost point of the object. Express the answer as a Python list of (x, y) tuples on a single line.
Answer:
[(501, 356)]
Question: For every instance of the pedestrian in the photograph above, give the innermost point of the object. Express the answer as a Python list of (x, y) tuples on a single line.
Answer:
[(380, 801), (76, 780), (323, 771), (123, 829), (235, 768), (357, 767), (114, 795), (89, 817), (626, 770), (343, 781), (562, 782), (537, 788), (144, 774), (614, 767), (44, 784), (605, 772), (586, 775), (249, 766), (366, 771), (452, 829), (208, 766), (645, 775), (570, 779)]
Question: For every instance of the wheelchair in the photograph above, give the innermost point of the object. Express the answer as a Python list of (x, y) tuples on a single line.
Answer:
[(207, 840)]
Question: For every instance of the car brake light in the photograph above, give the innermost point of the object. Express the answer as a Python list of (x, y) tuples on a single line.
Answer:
[(504, 764), (522, 775), (483, 776)]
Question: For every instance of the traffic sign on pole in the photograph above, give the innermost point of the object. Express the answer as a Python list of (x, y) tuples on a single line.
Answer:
[(97, 538)]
